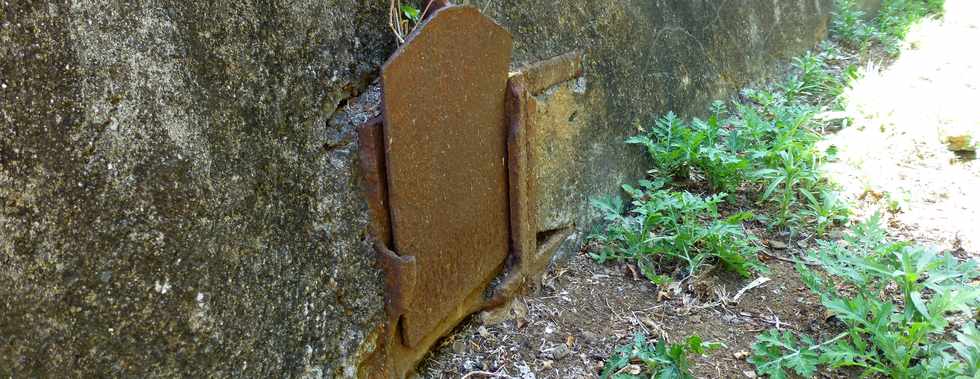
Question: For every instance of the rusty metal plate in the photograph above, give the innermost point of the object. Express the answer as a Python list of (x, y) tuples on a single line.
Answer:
[(445, 143)]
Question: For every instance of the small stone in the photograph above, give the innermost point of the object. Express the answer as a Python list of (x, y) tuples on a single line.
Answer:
[(778, 245), (590, 337), (557, 353), (750, 374), (634, 369), (740, 355), (459, 347), (560, 352), (483, 332)]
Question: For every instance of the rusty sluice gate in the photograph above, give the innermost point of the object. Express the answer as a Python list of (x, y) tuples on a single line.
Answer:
[(447, 176)]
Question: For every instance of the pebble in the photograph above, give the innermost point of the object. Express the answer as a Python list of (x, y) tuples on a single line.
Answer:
[(561, 351), (459, 347)]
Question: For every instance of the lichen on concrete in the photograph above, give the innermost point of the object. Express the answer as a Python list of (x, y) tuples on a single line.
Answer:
[(174, 197)]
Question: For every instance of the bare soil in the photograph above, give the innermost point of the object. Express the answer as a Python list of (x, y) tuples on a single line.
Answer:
[(584, 311)]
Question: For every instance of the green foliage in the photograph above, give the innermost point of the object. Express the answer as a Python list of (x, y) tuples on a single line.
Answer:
[(823, 211), (411, 12), (785, 181), (895, 300), (780, 143), (850, 27), (774, 354), (667, 227), (893, 22), (659, 359), (677, 147)]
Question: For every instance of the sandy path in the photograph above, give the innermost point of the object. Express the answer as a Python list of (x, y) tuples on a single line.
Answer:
[(893, 155)]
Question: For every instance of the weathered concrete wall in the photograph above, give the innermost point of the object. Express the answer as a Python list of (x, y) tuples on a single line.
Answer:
[(178, 191), (174, 197)]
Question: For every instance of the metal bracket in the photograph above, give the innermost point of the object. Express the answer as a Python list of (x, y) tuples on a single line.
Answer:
[(528, 259), (405, 205)]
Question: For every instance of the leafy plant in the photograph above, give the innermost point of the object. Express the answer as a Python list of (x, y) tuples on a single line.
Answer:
[(659, 359), (411, 12), (784, 181), (894, 299), (849, 25), (891, 25), (673, 227), (673, 146), (677, 147), (823, 211)]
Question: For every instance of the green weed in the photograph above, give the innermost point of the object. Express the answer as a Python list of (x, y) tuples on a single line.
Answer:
[(655, 360), (850, 27), (666, 227), (678, 147), (891, 25), (895, 300), (411, 12), (823, 211)]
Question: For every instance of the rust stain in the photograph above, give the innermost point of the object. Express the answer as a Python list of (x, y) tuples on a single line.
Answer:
[(372, 157), (445, 143)]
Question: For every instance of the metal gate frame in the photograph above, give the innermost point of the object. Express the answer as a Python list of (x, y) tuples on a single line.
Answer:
[(395, 355)]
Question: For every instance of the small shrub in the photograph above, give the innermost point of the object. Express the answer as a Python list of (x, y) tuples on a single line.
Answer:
[(659, 359), (678, 147), (667, 227), (849, 25), (824, 211), (895, 300)]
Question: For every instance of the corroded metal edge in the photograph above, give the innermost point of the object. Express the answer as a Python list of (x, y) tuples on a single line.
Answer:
[(400, 273), (528, 260), (434, 5), (522, 213), (542, 75), (374, 184), (459, 43)]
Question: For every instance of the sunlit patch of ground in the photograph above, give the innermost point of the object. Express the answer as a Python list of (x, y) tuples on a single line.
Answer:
[(894, 156)]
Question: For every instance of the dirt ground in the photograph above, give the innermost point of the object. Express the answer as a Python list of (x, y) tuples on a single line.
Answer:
[(584, 311), (892, 158)]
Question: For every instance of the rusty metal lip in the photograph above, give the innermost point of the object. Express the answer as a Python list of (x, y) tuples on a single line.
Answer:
[(540, 76)]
